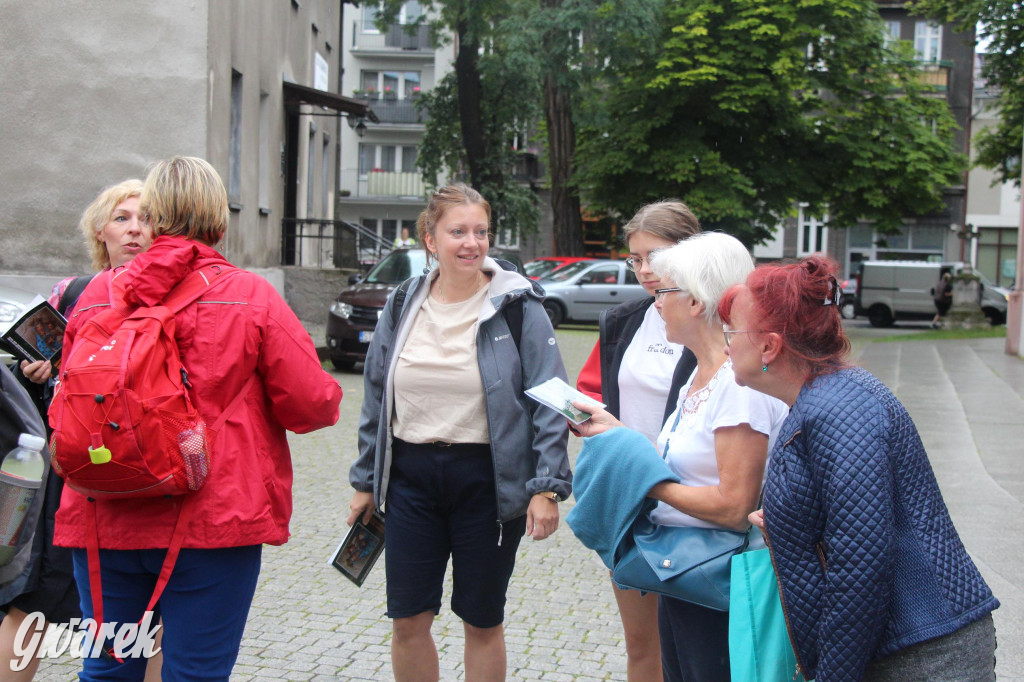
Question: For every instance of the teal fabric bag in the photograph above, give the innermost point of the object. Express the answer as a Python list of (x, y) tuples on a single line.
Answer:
[(759, 646)]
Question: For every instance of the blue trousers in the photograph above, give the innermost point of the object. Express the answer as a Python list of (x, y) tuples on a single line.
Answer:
[(204, 608), (694, 642)]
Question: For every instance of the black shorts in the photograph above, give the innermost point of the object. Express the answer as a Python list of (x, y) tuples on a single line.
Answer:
[(441, 502)]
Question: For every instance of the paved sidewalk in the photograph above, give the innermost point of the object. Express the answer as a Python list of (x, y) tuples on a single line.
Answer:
[(310, 623), (967, 399)]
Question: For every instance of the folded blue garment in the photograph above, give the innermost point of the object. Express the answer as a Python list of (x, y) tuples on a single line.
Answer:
[(614, 472)]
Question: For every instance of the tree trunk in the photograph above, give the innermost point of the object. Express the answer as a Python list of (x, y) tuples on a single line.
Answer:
[(565, 201), (467, 75)]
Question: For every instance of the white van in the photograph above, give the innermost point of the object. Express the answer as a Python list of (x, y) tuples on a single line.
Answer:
[(904, 290)]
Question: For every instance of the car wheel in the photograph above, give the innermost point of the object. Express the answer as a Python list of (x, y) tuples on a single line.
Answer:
[(555, 313), (847, 310), (343, 365), (994, 316), (880, 316)]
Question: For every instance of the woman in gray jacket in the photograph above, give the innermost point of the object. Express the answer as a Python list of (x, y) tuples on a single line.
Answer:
[(449, 446)]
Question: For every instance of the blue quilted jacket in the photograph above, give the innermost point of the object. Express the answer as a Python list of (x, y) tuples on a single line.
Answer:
[(867, 557)]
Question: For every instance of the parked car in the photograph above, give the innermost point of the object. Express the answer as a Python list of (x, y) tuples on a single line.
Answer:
[(904, 290), (353, 314), (545, 265), (580, 291)]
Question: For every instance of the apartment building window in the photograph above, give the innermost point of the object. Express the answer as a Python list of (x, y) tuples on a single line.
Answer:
[(388, 152), (388, 229), (928, 41), (409, 154), (812, 235), (405, 83), (389, 158), (411, 11), (235, 141), (370, 14), (410, 84), (367, 153), (891, 34)]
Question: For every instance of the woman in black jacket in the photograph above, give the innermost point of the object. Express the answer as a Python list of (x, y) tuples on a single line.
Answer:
[(637, 373)]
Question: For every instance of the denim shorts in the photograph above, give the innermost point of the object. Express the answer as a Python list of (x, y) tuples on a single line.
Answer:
[(441, 502)]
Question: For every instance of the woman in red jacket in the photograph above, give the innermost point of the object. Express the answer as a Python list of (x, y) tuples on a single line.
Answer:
[(239, 338)]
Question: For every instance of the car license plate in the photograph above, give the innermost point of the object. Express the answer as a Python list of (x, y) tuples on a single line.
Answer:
[(365, 337)]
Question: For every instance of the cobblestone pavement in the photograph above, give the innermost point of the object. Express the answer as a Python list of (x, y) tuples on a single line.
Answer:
[(309, 623)]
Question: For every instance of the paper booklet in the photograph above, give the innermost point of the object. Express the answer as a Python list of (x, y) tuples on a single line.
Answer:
[(37, 335), (359, 550), (560, 396)]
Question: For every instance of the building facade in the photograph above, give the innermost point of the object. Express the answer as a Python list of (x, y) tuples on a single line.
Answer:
[(993, 208), (253, 87), (946, 60)]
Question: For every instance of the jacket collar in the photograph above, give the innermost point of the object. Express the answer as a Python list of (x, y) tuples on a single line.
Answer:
[(167, 262)]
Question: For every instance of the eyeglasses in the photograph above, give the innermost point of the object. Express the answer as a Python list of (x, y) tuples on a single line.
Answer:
[(659, 294), (727, 332), (636, 263)]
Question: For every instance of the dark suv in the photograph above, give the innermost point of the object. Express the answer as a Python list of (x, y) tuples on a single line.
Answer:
[(354, 313)]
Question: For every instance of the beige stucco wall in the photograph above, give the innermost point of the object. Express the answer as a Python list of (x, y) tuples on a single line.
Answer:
[(93, 92)]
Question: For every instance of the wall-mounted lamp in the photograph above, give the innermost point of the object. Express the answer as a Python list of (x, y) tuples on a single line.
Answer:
[(358, 124)]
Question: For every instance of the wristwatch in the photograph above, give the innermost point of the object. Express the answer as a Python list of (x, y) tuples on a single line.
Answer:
[(551, 495)]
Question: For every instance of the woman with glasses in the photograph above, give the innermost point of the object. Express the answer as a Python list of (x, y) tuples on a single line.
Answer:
[(716, 440), (636, 371), (876, 582)]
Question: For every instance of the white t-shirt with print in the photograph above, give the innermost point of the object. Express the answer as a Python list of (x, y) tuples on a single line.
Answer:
[(645, 376), (691, 441)]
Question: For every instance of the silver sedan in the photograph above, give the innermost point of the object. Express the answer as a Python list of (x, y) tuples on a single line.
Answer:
[(580, 291)]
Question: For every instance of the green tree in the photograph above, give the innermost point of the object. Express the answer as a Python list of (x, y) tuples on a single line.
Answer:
[(478, 110), (1000, 23), (578, 39), (748, 106)]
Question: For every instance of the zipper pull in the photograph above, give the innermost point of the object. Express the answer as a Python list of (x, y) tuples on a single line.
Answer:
[(500, 530)]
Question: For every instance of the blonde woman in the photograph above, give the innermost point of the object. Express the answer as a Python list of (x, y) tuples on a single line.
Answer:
[(460, 461)]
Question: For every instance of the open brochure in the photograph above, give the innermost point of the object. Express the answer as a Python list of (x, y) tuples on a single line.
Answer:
[(37, 335), (560, 396)]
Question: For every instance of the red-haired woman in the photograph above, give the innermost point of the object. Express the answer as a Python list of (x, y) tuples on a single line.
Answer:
[(874, 578)]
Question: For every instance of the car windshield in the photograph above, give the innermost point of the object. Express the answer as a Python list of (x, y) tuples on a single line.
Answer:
[(398, 266), (568, 272), (539, 268)]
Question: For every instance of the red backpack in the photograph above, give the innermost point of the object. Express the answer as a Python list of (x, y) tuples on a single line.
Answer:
[(124, 425)]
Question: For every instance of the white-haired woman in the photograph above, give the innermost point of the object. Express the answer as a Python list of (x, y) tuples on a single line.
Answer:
[(717, 440)]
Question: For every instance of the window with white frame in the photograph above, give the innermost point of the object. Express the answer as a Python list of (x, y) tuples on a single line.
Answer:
[(410, 12), (389, 158), (812, 233), (928, 41), (891, 35), (370, 13), (402, 84)]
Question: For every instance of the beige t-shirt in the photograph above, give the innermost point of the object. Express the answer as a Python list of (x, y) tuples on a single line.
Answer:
[(439, 394)]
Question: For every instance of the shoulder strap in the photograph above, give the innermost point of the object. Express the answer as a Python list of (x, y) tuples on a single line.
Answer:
[(72, 292), (399, 301), (513, 313)]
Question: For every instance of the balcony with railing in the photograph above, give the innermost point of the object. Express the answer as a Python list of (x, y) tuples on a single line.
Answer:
[(315, 243), (393, 111), (381, 185), (398, 39), (936, 74)]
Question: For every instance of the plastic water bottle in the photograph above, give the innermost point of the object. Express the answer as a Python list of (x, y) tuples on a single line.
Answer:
[(21, 477)]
